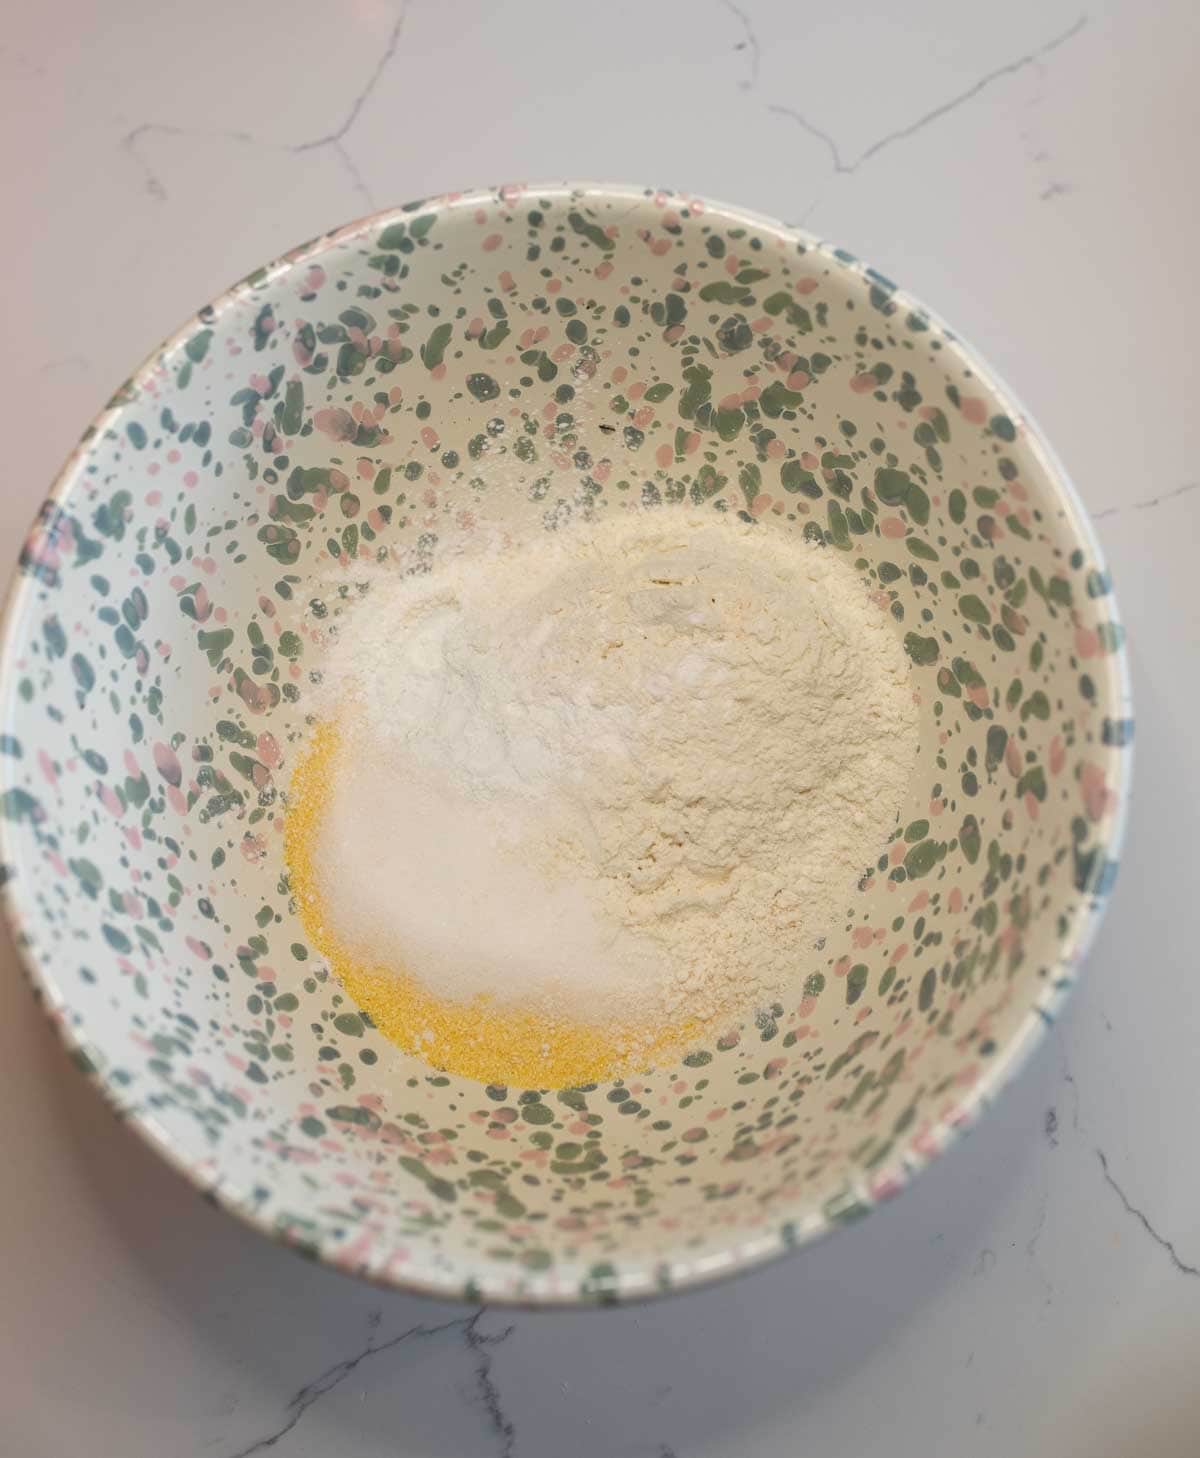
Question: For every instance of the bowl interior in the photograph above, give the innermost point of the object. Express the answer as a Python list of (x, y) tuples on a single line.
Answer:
[(534, 357)]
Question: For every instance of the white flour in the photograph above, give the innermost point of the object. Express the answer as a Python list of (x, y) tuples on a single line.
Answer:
[(629, 772)]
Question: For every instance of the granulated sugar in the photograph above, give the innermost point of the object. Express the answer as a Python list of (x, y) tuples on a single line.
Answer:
[(607, 786)]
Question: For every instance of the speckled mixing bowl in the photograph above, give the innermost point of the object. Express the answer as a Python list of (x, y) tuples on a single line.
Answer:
[(609, 344)]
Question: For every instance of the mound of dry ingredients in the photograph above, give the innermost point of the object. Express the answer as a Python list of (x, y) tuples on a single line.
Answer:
[(574, 802)]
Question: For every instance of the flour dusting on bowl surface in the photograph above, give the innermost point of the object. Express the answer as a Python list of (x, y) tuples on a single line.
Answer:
[(520, 366)]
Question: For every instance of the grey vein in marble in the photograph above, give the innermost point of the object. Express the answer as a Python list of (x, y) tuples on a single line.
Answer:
[(1069, 1080), (1032, 1243), (335, 139), (131, 142), (334, 1376), (20, 64), (67, 362), (1144, 1220), (1150, 501), (1031, 1251), (489, 1394), (841, 165), (750, 43), (357, 181), (356, 106)]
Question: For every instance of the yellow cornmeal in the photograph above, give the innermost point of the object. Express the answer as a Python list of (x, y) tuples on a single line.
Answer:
[(479, 1039)]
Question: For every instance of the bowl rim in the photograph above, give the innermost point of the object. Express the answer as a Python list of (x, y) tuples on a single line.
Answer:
[(644, 1277)]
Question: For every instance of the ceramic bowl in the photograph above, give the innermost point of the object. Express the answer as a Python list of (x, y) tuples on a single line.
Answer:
[(614, 344)]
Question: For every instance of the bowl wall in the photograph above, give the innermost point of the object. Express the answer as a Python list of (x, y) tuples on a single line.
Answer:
[(533, 357)]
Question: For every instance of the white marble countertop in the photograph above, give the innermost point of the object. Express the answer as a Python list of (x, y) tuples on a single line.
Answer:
[(1029, 169)]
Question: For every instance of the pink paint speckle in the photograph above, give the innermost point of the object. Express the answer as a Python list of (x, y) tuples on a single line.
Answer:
[(109, 799), (1094, 791), (336, 423), (1087, 643), (1058, 754)]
